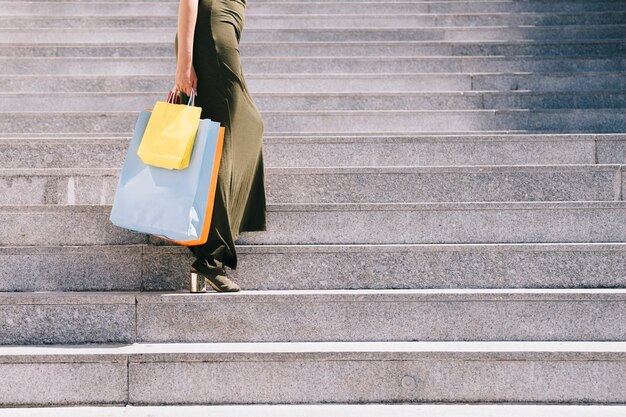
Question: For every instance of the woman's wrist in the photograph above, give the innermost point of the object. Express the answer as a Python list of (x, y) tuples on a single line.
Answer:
[(185, 60)]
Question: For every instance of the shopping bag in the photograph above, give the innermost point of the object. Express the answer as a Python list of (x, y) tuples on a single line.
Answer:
[(175, 205), (168, 139)]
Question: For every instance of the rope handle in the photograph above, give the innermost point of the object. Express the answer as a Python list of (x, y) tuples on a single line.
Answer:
[(172, 96)]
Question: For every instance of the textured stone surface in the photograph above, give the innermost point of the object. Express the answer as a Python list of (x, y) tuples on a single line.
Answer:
[(446, 150), (352, 122), (70, 268), (323, 410), (364, 19), (521, 46), (261, 65), (623, 179), (443, 223), (390, 315), (272, 83), (62, 225), (534, 40), (591, 40), (71, 383), (396, 381), (399, 185), (611, 151), (338, 151), (559, 120), (383, 377), (528, 222), (320, 372), (58, 186), (426, 266), (88, 268), (52, 318), (166, 268), (444, 7), (346, 101), (420, 48), (141, 90), (348, 185), (549, 81), (346, 315), (299, 7), (72, 152)]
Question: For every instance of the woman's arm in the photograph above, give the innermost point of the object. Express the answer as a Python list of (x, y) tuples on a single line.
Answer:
[(185, 73)]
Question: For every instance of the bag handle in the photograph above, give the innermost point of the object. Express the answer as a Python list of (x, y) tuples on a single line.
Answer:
[(171, 96)]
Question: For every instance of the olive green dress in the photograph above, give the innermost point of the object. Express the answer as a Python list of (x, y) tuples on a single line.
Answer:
[(223, 95)]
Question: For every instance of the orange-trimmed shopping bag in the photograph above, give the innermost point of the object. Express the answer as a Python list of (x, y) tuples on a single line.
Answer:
[(175, 205), (168, 139)]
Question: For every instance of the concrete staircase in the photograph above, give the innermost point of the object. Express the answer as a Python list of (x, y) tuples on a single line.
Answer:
[(446, 213)]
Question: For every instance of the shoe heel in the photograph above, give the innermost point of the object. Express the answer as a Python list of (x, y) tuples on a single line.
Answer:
[(197, 282)]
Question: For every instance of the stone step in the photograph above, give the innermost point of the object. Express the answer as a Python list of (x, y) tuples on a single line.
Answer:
[(371, 223), (460, 34), (393, 315), (350, 184), (314, 315), (363, 122), (584, 48), (127, 8), (331, 100), (464, 36), (298, 83), (343, 151), (573, 5), (532, 4), (325, 19), (345, 47), (374, 372), (466, 39), (164, 41), (322, 267), (444, 223), (315, 65), (323, 410), (402, 121), (438, 7)]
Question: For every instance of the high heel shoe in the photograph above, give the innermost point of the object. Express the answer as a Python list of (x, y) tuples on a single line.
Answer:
[(197, 282), (201, 274)]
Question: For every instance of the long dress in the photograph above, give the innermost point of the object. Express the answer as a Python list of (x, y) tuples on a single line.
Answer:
[(224, 97)]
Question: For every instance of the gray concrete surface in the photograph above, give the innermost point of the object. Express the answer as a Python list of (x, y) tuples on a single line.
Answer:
[(365, 223), (309, 267), (71, 152), (349, 184), (351, 372)]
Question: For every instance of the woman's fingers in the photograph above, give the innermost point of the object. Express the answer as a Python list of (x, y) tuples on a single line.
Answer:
[(185, 88), (186, 79)]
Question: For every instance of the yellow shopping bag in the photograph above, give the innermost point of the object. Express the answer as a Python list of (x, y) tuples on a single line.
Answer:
[(169, 136)]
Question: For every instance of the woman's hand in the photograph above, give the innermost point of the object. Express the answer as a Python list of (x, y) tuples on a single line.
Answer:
[(186, 78)]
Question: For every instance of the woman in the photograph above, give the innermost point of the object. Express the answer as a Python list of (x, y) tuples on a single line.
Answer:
[(207, 60)]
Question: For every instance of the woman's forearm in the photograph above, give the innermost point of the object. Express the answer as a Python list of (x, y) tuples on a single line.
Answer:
[(187, 15)]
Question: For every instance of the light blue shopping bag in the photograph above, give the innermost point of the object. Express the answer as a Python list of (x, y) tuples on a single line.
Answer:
[(175, 205)]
